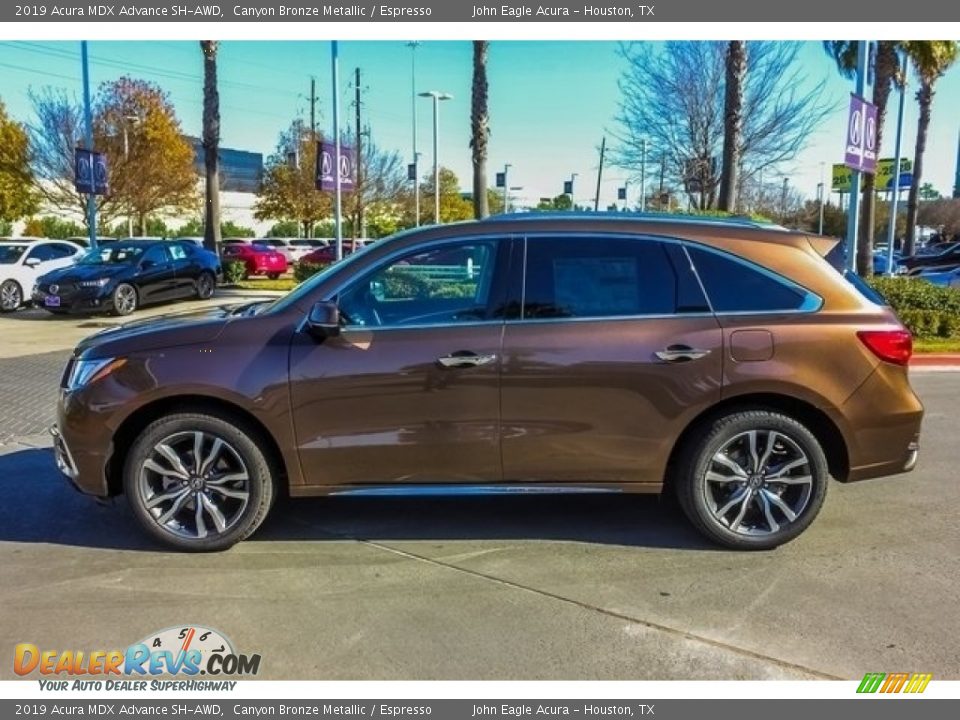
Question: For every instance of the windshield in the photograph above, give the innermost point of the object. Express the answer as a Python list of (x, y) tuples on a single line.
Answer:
[(11, 253), (113, 255)]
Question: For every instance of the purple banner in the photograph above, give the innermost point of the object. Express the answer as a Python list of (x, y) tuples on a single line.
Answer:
[(861, 144), (326, 160)]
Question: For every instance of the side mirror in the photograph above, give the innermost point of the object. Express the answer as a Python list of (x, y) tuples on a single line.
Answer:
[(324, 320), (31, 262)]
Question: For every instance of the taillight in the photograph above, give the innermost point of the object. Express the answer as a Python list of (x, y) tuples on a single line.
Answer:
[(893, 346)]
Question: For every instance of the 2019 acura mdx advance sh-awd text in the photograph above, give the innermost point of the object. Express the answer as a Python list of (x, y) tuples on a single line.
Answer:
[(725, 361)]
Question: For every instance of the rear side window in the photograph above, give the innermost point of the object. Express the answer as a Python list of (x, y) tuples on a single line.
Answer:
[(734, 285), (596, 277)]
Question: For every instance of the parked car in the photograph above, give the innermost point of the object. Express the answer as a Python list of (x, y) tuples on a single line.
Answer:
[(22, 262), (328, 253), (882, 264), (944, 277), (124, 275), (258, 259), (301, 247), (721, 360), (948, 256)]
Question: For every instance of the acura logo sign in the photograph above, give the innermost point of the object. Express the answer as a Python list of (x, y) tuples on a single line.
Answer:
[(53, 289)]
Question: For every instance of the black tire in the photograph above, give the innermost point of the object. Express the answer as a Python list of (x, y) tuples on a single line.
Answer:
[(125, 299), (260, 485), (11, 296), (206, 286), (703, 500), (273, 276)]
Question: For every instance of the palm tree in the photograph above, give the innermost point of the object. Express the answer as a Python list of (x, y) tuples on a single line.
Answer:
[(885, 67), (736, 65), (480, 128), (931, 59), (211, 145)]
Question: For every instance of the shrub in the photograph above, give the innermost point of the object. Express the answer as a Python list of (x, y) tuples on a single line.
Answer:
[(929, 311), (234, 271), (304, 270)]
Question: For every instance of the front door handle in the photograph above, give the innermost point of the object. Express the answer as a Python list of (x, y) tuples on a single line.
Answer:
[(681, 353), (464, 359)]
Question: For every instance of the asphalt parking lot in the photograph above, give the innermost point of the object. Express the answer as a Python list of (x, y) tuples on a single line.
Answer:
[(605, 587)]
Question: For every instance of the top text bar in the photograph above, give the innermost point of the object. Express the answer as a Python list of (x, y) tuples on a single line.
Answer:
[(624, 11)]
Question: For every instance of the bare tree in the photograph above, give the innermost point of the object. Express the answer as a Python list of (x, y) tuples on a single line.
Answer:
[(673, 96)]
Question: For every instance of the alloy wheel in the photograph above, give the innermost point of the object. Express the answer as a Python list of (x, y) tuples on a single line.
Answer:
[(205, 287), (758, 483), (125, 299), (11, 296), (195, 485)]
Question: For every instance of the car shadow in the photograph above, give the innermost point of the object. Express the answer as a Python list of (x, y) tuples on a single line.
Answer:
[(38, 506)]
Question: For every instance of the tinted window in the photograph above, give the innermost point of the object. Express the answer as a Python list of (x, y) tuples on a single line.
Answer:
[(43, 253), (157, 254), (735, 286), (605, 277), (441, 286), (64, 250)]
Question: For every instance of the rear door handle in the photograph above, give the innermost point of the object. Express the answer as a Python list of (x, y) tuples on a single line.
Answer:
[(681, 353), (464, 359)]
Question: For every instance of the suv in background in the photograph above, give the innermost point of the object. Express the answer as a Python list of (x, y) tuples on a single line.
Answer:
[(725, 361)]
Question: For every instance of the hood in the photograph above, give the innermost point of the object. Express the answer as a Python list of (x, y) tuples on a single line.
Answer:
[(165, 331), (80, 273)]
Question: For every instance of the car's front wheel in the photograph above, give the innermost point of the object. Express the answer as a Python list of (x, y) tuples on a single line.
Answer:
[(198, 482), (752, 480), (206, 286), (273, 276), (11, 296), (125, 299)]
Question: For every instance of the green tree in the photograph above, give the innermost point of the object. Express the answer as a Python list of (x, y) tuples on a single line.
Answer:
[(53, 227), (285, 229), (886, 66), (560, 202), (211, 145), (453, 205), (930, 59), (480, 127), (17, 198), (929, 192), (288, 191)]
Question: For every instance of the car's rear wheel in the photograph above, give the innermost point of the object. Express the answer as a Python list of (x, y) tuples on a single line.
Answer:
[(752, 480), (273, 275), (125, 299), (206, 286), (198, 482), (11, 296)]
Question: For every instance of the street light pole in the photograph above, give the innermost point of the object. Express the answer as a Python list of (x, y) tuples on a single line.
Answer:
[(895, 195), (820, 203), (643, 176), (437, 96), (506, 188), (413, 45), (88, 134), (573, 202)]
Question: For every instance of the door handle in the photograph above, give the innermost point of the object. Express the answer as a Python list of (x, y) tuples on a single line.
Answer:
[(464, 359), (680, 353)]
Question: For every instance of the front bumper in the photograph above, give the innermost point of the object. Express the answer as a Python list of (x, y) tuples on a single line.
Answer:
[(80, 300), (61, 453)]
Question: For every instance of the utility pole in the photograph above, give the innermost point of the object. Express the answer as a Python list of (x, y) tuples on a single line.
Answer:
[(853, 216), (643, 176), (895, 195), (596, 198), (416, 156), (956, 179), (358, 187), (506, 188), (313, 109), (88, 122), (338, 196), (783, 200)]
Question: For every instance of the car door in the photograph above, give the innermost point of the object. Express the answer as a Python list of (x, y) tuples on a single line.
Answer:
[(409, 392), (156, 277), (613, 351), (39, 260), (186, 268)]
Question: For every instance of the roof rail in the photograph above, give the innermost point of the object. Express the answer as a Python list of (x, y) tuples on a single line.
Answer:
[(733, 220)]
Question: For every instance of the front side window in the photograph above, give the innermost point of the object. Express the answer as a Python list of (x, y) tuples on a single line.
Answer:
[(445, 285), (43, 253), (733, 285), (597, 277)]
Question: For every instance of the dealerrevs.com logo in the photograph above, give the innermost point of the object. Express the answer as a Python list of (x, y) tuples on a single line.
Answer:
[(184, 651)]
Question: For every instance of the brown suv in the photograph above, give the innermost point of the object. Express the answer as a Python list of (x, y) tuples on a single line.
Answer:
[(726, 361)]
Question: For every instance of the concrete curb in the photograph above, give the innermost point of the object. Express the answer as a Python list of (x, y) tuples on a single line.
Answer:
[(935, 361)]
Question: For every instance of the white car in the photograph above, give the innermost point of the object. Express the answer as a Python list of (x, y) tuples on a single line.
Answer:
[(23, 261)]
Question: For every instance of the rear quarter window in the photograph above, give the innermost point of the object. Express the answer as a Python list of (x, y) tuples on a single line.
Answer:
[(737, 286)]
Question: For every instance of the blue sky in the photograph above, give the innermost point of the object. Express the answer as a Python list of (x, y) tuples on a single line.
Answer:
[(550, 102)]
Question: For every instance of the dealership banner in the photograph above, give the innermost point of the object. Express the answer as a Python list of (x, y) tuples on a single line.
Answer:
[(407, 709), (615, 11)]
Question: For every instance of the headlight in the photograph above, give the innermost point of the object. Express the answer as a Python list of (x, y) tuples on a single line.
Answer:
[(84, 372), (93, 283)]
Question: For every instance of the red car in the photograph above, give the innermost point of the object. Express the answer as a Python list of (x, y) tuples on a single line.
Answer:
[(328, 254), (259, 259)]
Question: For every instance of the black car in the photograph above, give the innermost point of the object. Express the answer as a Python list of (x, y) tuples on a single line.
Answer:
[(947, 256), (122, 276)]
